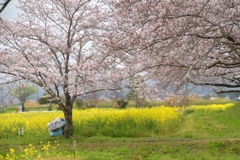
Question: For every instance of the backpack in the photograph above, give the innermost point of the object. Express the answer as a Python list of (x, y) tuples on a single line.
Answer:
[(55, 125)]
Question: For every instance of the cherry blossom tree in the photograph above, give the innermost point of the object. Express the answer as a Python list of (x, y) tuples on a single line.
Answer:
[(52, 45), (72, 47), (178, 41)]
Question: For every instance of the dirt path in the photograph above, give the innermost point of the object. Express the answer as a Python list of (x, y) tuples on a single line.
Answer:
[(157, 142)]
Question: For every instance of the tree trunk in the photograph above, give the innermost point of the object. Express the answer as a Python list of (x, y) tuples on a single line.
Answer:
[(23, 107), (68, 129)]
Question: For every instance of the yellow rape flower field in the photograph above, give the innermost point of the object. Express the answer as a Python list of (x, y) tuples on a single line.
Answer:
[(88, 121), (108, 122), (131, 122)]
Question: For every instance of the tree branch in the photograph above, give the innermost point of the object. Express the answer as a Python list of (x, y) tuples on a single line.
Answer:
[(4, 5)]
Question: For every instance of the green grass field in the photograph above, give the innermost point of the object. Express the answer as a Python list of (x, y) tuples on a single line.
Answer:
[(200, 135)]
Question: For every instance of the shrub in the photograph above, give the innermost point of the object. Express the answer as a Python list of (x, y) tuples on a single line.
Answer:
[(43, 99), (122, 103), (47, 100)]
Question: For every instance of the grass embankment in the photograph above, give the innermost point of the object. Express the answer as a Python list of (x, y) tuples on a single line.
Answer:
[(201, 134), (207, 124)]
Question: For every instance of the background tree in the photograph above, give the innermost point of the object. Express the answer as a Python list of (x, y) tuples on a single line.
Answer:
[(23, 92), (53, 45)]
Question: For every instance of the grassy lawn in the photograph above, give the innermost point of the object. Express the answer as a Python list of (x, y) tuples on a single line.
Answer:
[(148, 148)]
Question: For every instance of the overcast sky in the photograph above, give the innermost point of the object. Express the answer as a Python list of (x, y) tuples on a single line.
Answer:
[(10, 11)]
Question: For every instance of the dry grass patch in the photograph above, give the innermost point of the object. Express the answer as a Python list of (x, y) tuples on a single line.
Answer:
[(31, 103)]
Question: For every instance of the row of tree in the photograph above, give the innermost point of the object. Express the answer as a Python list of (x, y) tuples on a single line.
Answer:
[(25, 92)]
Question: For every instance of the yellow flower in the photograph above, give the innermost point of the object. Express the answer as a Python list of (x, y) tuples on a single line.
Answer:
[(12, 151)]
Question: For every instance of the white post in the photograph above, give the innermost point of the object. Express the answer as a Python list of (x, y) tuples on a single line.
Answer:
[(21, 131), (74, 148)]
